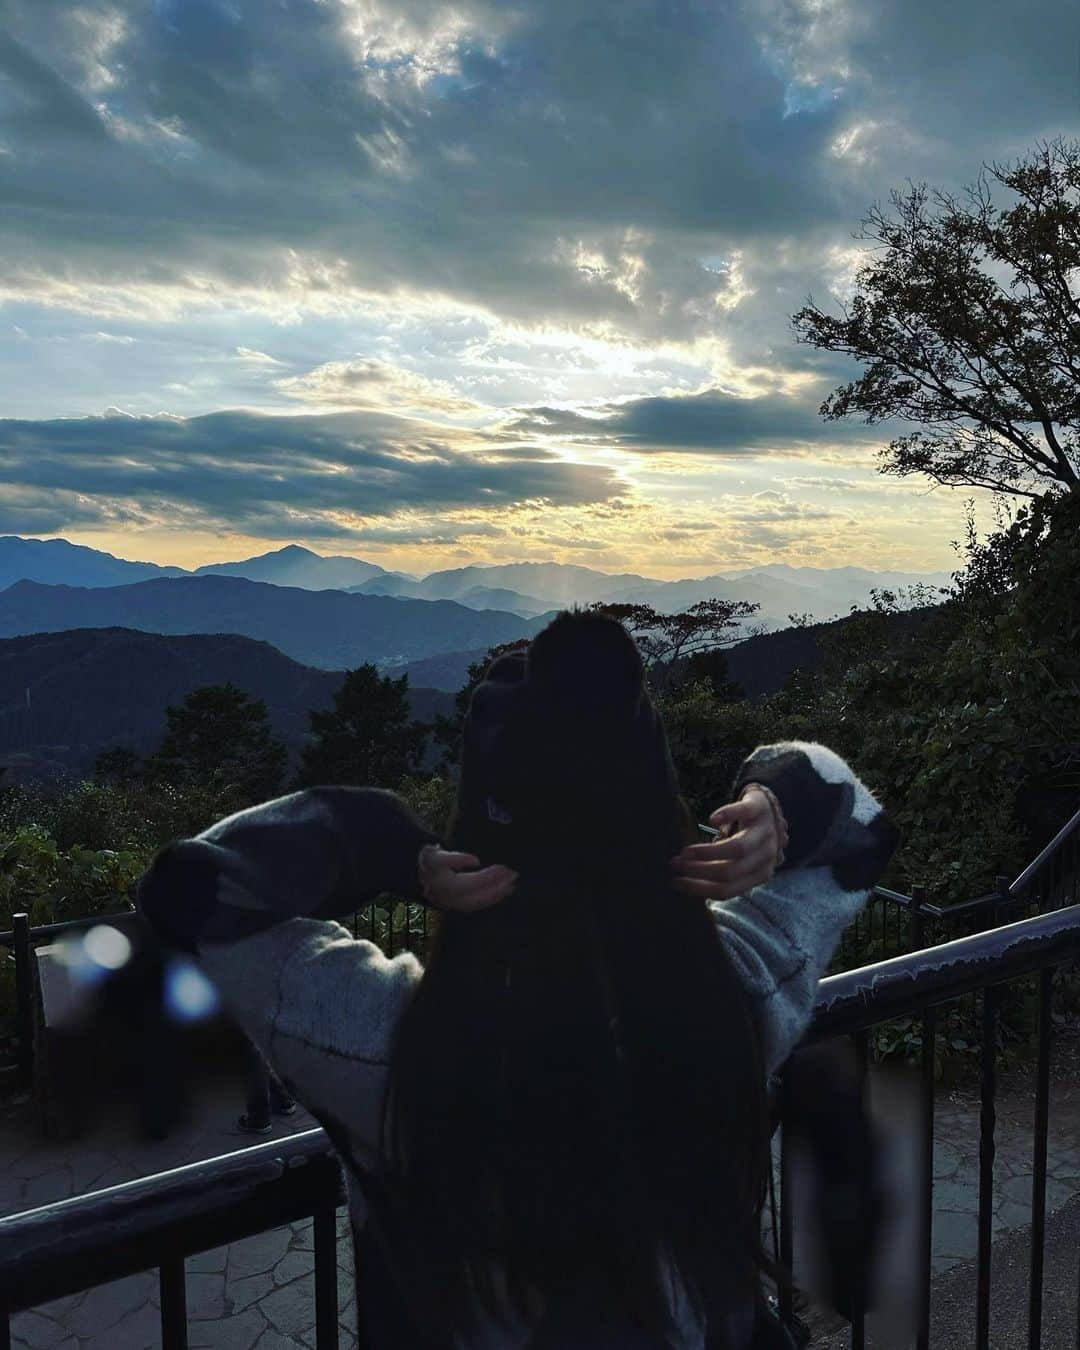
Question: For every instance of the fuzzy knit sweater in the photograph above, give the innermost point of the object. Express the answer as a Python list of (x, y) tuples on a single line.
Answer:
[(254, 898)]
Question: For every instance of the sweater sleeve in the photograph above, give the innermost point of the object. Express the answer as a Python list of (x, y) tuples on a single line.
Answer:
[(253, 901), (782, 935)]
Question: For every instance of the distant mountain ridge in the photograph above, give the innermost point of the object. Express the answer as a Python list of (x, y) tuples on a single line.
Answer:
[(517, 591), (524, 586), (332, 630), (296, 566), (56, 562)]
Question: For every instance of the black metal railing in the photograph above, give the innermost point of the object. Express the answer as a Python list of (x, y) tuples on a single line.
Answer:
[(893, 923), (919, 983), (157, 1222)]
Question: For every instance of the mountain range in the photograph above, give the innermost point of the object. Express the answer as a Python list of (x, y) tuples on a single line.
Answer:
[(527, 589), (333, 630)]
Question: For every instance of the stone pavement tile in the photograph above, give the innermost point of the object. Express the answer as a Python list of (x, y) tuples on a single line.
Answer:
[(88, 1166), (116, 1174), (59, 1308), (213, 1260), (293, 1265), (47, 1188), (290, 1309), (254, 1255), (948, 1159), (206, 1295), (241, 1294), (955, 1236), (1018, 1190), (104, 1306), (274, 1340), (38, 1332), (140, 1329), (303, 1236), (1009, 1215), (239, 1332)]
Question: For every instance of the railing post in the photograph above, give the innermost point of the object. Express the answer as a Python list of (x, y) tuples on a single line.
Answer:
[(173, 1287), (324, 1234), (24, 1009), (918, 930), (1003, 897)]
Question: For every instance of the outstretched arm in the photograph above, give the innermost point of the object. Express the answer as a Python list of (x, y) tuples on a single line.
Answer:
[(782, 935), (253, 899)]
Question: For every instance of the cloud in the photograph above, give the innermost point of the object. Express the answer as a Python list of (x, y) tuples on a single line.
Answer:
[(255, 358), (369, 382), (713, 422), (278, 477), (545, 162)]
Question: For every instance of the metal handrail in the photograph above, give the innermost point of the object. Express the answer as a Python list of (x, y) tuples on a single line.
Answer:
[(861, 998), (1047, 853), (7, 936), (70, 1245)]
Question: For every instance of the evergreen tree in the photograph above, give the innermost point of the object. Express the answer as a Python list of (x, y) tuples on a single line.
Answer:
[(369, 738), (117, 764), (219, 737)]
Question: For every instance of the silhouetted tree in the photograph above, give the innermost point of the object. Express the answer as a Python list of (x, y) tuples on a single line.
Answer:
[(368, 738), (219, 737), (117, 764), (968, 323), (664, 639), (712, 667)]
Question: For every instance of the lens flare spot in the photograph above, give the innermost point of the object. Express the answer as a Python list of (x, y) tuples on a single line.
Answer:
[(189, 995), (107, 946)]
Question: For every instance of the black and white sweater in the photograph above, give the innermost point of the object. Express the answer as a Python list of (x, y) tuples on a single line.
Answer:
[(253, 900)]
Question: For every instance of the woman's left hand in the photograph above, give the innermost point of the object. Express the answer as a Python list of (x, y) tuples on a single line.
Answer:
[(447, 882), (747, 858)]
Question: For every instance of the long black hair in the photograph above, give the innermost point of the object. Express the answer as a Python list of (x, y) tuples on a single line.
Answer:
[(576, 1096)]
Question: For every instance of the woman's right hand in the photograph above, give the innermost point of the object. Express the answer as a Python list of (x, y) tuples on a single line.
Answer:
[(747, 858), (447, 882)]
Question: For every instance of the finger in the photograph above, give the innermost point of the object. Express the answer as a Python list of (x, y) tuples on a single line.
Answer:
[(754, 806), (483, 896), (457, 861), (741, 845), (462, 883)]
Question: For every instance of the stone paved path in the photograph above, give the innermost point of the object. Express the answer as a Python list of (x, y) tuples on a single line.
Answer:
[(259, 1294)]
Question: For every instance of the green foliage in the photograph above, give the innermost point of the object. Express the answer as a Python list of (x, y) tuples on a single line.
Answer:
[(432, 799), (52, 884), (368, 738)]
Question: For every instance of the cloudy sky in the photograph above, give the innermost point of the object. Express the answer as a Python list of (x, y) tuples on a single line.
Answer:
[(489, 281)]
